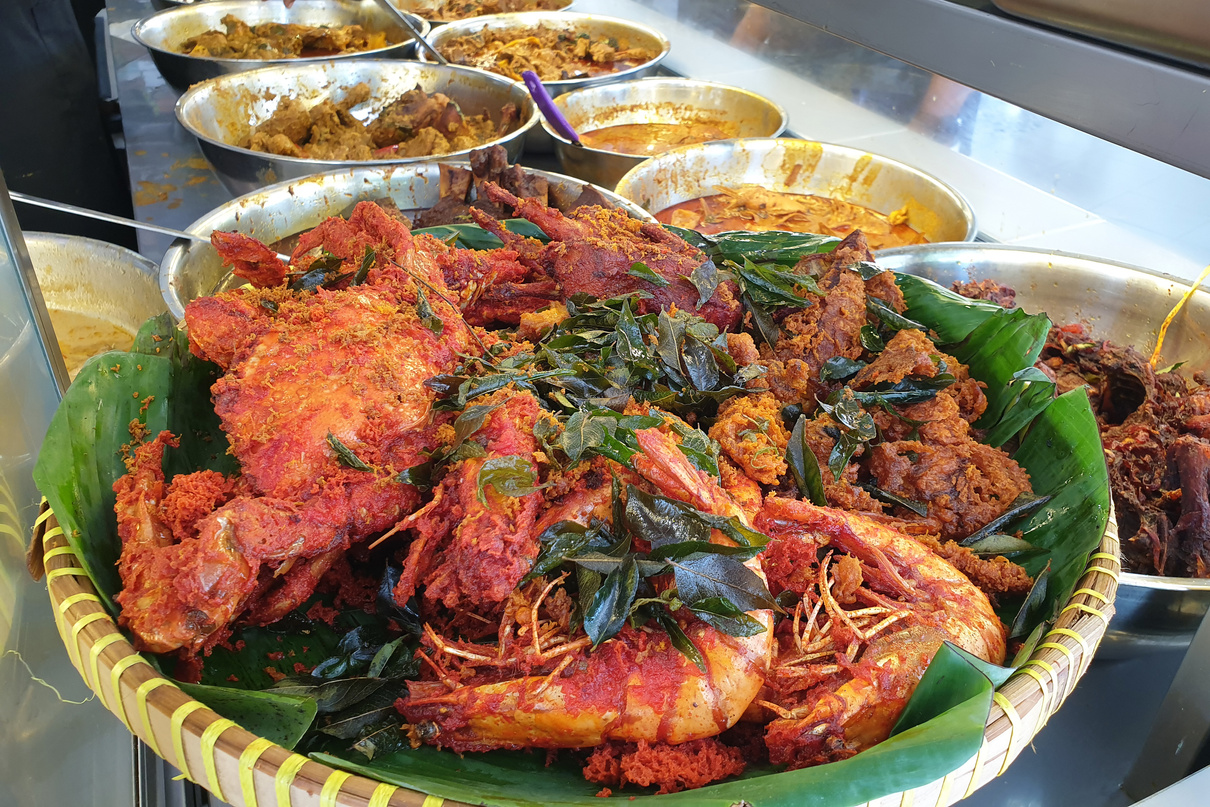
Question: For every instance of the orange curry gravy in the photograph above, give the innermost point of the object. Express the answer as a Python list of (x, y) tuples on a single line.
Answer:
[(751, 207), (656, 138)]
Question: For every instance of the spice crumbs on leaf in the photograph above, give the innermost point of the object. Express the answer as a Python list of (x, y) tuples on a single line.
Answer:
[(276, 656), (301, 669), (233, 678), (274, 674)]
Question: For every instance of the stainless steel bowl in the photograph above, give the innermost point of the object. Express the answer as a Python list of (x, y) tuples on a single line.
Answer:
[(1123, 303), (192, 269), (88, 285), (633, 33), (935, 210), (424, 9), (162, 33), (223, 111), (653, 100)]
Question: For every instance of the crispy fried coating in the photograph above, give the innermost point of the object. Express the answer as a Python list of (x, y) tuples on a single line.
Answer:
[(474, 542), (911, 353), (750, 431), (964, 485), (994, 576), (672, 767), (821, 433)]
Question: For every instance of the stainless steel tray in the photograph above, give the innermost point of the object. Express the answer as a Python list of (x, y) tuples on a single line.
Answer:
[(1119, 302), (1178, 29)]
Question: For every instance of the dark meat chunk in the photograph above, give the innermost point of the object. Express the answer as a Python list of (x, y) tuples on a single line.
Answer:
[(965, 486), (1190, 464), (990, 290)]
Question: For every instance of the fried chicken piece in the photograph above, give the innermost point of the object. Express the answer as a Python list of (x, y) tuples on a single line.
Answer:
[(829, 328), (988, 289), (193, 496), (750, 431), (995, 576), (965, 485), (474, 542), (943, 423), (592, 250), (249, 259), (673, 767), (821, 434), (910, 353)]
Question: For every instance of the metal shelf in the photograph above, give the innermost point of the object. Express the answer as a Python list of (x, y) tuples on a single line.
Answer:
[(1145, 104)]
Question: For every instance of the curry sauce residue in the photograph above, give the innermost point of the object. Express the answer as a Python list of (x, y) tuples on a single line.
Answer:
[(280, 40), (553, 54), (751, 207), (646, 139)]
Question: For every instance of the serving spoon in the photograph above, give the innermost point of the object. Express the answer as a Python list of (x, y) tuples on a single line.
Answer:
[(546, 105), (407, 23), (88, 213)]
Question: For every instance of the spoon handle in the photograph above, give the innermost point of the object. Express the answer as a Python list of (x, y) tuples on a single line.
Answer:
[(546, 105)]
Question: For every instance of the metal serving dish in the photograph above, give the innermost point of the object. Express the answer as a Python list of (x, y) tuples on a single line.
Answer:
[(89, 285), (1123, 303), (633, 33), (162, 33), (653, 100), (935, 210), (192, 269), (224, 110), (424, 9)]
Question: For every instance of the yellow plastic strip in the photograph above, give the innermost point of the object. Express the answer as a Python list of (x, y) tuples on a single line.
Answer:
[(1014, 723), (65, 571), (54, 532), (115, 680), (43, 516), (1071, 666), (1087, 609), (1080, 640), (73, 646), (247, 765), (331, 788), (907, 799), (1104, 556), (83, 596), (285, 778), (140, 696), (94, 662), (178, 735), (209, 739), (944, 792), (974, 782), (56, 552), (381, 797), (1092, 592), (432, 801)]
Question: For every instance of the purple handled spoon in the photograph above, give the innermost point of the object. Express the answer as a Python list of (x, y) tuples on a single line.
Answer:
[(546, 105)]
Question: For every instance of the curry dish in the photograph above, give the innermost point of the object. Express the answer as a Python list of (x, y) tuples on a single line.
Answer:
[(751, 207), (544, 457), (450, 10), (656, 138), (416, 124), (555, 55), (279, 40)]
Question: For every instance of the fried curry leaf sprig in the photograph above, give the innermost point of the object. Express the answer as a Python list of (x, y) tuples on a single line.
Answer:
[(615, 582)]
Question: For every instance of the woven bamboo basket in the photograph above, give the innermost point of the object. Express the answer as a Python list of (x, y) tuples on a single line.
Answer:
[(247, 771)]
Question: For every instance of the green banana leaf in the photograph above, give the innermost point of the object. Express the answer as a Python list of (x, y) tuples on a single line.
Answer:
[(942, 727), (472, 236), (284, 719)]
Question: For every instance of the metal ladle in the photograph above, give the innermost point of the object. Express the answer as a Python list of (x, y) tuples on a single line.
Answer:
[(407, 23), (87, 213)]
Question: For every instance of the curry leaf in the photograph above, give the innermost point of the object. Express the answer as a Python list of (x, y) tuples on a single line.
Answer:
[(559, 543), (1021, 507), (345, 455), (839, 368), (363, 271), (1005, 545), (721, 614), (891, 318), (610, 605), (644, 272), (871, 340), (680, 640), (705, 279), (510, 476), (804, 465), (1034, 608), (428, 317), (919, 508), (703, 577)]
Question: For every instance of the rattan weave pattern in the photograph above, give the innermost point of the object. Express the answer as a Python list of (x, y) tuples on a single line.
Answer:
[(244, 769)]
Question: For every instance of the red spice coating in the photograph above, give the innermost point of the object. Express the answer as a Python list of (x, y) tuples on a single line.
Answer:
[(670, 767)]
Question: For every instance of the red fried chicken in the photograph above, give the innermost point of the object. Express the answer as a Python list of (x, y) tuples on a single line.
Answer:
[(324, 402), (592, 251)]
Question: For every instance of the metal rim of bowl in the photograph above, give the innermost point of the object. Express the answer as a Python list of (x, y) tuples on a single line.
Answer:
[(145, 264), (436, 23), (474, 25), (1152, 581), (675, 155), (670, 81), (196, 89), (139, 27), (201, 225)]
